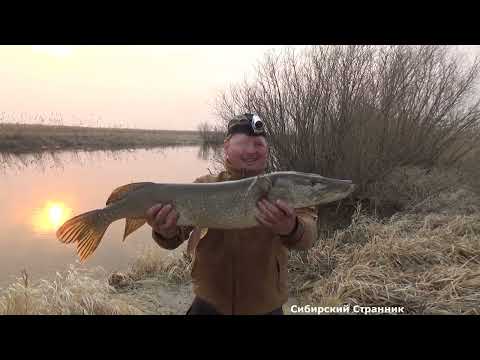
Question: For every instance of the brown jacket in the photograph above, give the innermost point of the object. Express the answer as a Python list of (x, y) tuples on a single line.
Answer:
[(242, 271)]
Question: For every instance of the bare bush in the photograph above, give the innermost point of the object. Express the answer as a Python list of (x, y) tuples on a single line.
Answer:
[(360, 112), (210, 135)]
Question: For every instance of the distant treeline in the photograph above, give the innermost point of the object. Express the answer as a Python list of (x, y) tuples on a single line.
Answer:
[(23, 138)]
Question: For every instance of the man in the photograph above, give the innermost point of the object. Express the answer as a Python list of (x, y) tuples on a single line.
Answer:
[(240, 271)]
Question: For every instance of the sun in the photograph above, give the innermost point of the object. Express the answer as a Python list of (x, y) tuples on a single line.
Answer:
[(54, 50), (55, 214), (51, 216)]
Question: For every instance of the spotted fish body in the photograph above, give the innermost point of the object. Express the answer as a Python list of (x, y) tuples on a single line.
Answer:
[(222, 205)]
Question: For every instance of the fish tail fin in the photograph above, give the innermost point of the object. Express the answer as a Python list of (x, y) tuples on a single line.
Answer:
[(86, 230)]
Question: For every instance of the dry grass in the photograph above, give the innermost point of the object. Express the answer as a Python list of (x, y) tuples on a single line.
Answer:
[(429, 264), (175, 269), (152, 285), (22, 138), (424, 191), (73, 292), (156, 284), (425, 257)]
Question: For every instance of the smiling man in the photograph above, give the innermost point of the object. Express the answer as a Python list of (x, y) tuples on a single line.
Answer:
[(240, 271)]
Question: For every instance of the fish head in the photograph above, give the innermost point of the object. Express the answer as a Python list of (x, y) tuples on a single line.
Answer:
[(306, 189)]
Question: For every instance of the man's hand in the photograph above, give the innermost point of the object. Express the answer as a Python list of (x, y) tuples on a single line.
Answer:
[(163, 220), (278, 216)]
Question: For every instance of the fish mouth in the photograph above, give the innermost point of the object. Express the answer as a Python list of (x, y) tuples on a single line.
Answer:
[(318, 179), (351, 188), (334, 192), (340, 187), (336, 187), (343, 186)]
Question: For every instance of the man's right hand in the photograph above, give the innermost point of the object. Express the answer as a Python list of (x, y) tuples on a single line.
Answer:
[(163, 220)]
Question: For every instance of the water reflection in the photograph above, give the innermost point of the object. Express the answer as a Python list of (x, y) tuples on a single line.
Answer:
[(214, 154), (39, 192), (206, 152), (48, 218), (46, 160)]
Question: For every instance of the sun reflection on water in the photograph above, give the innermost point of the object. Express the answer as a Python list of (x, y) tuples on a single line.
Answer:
[(51, 216)]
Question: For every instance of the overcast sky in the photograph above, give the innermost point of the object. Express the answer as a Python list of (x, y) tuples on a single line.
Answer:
[(156, 87)]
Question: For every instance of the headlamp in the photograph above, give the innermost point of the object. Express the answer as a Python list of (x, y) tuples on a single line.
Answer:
[(257, 124)]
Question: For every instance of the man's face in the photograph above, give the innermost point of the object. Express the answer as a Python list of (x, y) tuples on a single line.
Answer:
[(248, 152)]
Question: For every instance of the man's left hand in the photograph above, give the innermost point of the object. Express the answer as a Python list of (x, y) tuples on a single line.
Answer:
[(278, 216)]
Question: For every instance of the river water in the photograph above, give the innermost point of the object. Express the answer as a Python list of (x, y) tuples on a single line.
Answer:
[(38, 192)]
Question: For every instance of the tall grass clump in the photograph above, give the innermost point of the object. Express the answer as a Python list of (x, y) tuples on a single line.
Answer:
[(175, 268), (76, 291)]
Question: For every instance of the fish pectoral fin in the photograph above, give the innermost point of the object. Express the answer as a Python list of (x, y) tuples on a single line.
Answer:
[(121, 191), (264, 183), (133, 224), (261, 184), (251, 186)]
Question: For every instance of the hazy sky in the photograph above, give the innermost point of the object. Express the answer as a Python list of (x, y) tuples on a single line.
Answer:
[(158, 87), (161, 87)]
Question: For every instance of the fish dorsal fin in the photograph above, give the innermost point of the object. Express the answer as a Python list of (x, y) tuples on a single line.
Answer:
[(133, 224), (121, 191)]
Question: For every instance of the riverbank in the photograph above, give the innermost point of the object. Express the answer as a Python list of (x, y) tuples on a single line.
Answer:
[(28, 138), (424, 259)]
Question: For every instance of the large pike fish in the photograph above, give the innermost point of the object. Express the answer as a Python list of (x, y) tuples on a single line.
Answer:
[(221, 205)]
